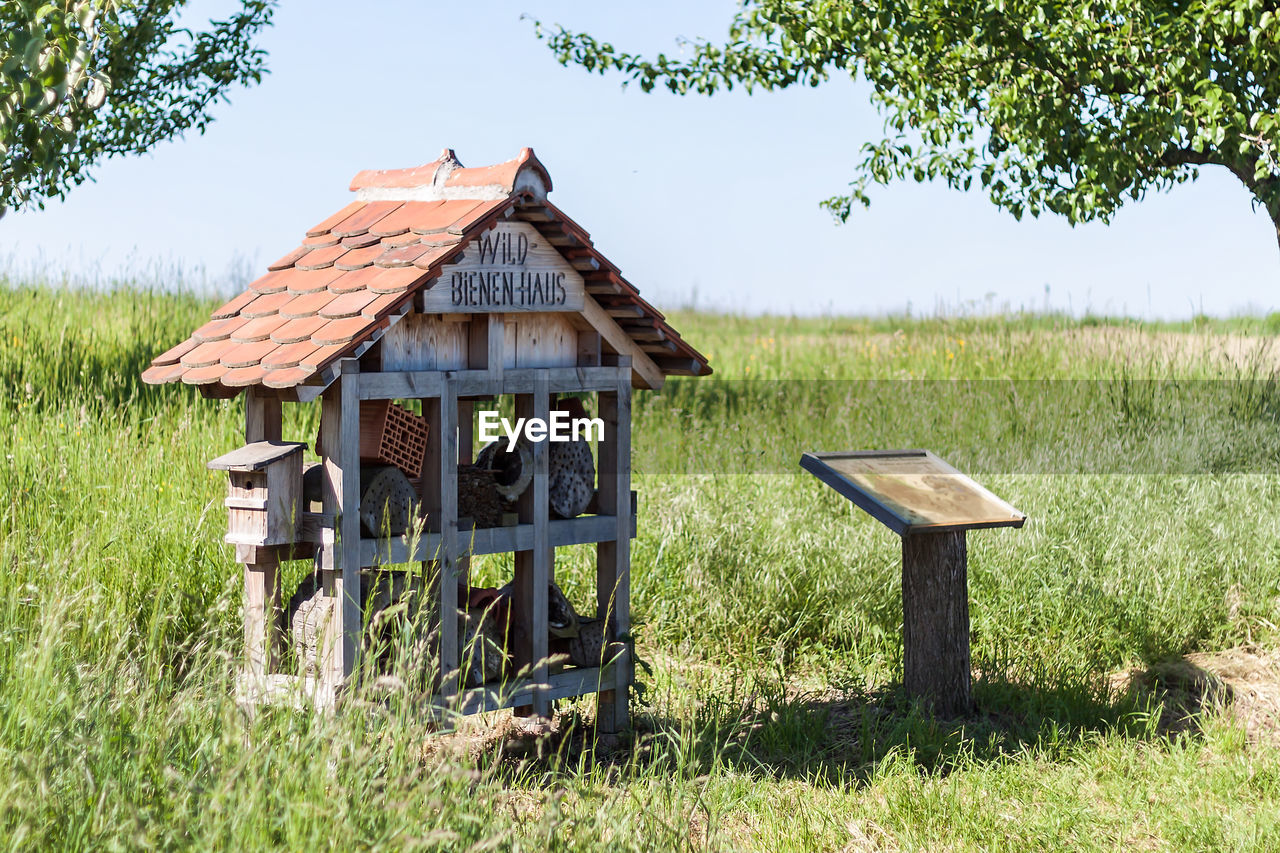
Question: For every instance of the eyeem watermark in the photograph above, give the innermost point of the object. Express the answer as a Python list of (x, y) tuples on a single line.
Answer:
[(561, 427)]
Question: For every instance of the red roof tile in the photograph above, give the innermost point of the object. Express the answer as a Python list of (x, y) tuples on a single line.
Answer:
[(298, 330), (318, 259), (410, 214), (360, 241), (418, 176), (353, 280), (383, 305), (233, 307), (342, 331), (250, 374), (324, 238), (289, 355), (287, 378), (289, 259), (214, 330), (359, 222), (207, 353), (441, 217), (354, 269), (161, 373), (307, 305), (258, 329), (272, 282), (328, 224), (266, 304), (172, 355), (397, 280), (354, 259), (249, 354), (309, 281), (204, 375), (348, 305), (322, 356), (403, 256)]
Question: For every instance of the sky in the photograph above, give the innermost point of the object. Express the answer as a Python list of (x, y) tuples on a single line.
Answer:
[(706, 202)]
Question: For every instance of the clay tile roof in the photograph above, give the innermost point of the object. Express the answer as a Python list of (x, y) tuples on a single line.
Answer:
[(355, 272)]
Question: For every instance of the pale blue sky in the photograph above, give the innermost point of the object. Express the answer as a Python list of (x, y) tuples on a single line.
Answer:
[(709, 198)]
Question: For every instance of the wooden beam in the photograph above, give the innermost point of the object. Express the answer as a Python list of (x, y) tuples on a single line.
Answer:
[(533, 567), (262, 416), (613, 559), (650, 374), (262, 616), (347, 591)]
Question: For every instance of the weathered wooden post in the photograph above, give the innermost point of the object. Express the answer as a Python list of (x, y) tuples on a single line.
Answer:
[(930, 505)]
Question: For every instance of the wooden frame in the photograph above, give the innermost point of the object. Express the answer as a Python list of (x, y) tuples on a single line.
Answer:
[(342, 554)]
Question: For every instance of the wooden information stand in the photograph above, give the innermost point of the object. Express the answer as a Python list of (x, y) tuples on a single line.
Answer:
[(930, 505)]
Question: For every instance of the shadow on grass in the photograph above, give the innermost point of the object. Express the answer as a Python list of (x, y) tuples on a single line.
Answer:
[(844, 736)]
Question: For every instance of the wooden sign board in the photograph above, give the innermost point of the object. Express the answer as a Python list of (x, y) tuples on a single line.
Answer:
[(509, 268), (911, 491)]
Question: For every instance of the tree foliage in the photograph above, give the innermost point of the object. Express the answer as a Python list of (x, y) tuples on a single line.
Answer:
[(1066, 106), (85, 80)]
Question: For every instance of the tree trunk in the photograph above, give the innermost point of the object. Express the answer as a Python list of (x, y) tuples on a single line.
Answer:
[(935, 621)]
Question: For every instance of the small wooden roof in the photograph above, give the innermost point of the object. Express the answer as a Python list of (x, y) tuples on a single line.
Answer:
[(256, 456), (357, 272)]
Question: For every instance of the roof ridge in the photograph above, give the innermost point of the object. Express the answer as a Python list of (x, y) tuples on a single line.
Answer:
[(445, 178)]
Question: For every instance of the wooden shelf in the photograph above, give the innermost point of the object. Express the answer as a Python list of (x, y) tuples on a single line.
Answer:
[(491, 540)]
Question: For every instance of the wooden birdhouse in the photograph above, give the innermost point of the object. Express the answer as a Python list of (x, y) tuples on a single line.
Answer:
[(440, 295), (264, 492)]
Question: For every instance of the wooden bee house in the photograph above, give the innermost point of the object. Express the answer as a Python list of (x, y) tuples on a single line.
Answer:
[(264, 492), (441, 288)]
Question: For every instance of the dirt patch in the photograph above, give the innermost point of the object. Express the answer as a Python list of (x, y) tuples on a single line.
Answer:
[(1243, 682)]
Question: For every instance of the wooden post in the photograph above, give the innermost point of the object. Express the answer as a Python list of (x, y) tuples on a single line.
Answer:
[(935, 621), (340, 438), (262, 604), (613, 559), (262, 416), (440, 500), (466, 440), (262, 608), (533, 568)]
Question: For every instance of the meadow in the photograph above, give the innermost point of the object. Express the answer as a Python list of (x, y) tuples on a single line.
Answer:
[(767, 607)]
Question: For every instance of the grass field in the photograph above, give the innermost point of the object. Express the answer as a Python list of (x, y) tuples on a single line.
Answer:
[(768, 608)]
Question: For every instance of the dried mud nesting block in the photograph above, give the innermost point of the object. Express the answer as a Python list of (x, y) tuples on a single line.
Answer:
[(478, 497), (572, 479)]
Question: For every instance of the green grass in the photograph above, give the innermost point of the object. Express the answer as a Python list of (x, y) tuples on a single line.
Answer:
[(767, 606)]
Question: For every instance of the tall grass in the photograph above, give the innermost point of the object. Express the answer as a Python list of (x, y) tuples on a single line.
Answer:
[(766, 605)]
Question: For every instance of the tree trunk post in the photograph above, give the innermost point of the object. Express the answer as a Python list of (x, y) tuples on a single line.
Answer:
[(935, 621)]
